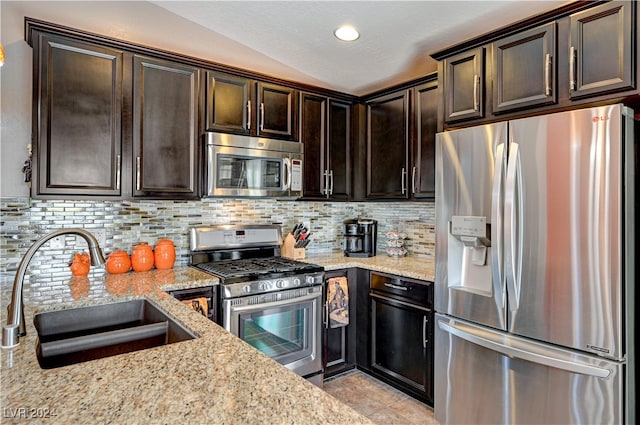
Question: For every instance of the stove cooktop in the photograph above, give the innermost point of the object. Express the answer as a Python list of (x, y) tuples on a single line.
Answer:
[(232, 271)]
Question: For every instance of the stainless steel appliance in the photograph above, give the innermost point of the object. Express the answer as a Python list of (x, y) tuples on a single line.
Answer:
[(243, 166), (270, 302), (359, 237), (403, 353), (535, 252)]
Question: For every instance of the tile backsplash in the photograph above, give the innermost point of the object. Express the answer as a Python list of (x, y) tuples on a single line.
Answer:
[(126, 223)]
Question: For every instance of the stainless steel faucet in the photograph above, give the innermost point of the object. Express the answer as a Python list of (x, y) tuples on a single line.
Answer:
[(15, 327)]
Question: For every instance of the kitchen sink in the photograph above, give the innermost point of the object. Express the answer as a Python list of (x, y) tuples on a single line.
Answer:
[(78, 335)]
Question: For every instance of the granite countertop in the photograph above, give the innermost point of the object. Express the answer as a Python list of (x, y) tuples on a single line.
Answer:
[(413, 267), (216, 378)]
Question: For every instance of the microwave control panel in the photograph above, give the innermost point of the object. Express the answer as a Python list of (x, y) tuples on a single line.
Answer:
[(296, 174)]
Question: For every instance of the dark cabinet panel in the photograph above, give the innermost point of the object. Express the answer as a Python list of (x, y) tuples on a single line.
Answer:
[(77, 118), (602, 46), (277, 105), (339, 343), (387, 146), (325, 131), (339, 150), (523, 69), (426, 126), (313, 124), (229, 103), (464, 85), (165, 128)]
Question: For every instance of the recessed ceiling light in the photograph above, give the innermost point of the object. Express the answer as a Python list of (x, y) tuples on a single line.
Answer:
[(346, 33)]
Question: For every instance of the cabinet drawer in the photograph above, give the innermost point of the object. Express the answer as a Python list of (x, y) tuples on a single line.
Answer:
[(420, 293)]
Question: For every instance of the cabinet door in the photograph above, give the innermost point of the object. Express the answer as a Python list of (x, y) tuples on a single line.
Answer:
[(387, 146), (601, 49), (426, 122), (400, 336), (337, 356), (523, 67), (229, 103), (464, 85), (276, 111), (339, 150), (77, 119), (165, 128), (312, 135)]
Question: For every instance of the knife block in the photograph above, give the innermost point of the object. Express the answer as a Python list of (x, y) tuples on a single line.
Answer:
[(288, 249)]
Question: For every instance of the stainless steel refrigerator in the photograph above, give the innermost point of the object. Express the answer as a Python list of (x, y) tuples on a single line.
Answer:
[(535, 252)]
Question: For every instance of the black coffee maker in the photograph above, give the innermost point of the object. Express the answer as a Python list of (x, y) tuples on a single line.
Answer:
[(360, 237)]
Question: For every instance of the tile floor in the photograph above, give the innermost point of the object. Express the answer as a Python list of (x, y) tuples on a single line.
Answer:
[(378, 401)]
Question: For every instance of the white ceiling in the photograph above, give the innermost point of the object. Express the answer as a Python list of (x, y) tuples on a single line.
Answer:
[(396, 36)]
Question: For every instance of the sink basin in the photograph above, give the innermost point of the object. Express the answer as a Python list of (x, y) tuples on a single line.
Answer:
[(77, 335)]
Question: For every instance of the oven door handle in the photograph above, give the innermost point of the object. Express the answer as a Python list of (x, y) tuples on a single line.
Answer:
[(275, 303)]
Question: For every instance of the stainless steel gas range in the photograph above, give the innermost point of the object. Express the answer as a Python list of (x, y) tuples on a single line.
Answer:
[(270, 302)]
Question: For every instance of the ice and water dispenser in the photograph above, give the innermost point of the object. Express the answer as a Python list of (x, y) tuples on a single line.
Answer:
[(469, 256)]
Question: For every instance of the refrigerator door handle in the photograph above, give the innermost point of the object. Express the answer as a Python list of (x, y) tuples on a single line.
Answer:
[(526, 351), (513, 228), (496, 227)]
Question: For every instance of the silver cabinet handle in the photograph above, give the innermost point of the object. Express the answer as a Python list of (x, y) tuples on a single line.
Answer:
[(413, 180), (262, 117), (138, 183), (404, 186), (330, 182), (572, 69), (476, 96), (118, 172), (325, 189), (425, 340), (522, 350), (547, 75), (391, 285), (325, 318), (248, 115)]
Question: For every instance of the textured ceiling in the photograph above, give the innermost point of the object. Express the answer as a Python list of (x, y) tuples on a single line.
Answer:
[(396, 36)]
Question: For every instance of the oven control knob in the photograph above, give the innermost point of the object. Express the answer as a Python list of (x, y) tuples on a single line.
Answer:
[(263, 286), (309, 280), (246, 289), (281, 283), (296, 281)]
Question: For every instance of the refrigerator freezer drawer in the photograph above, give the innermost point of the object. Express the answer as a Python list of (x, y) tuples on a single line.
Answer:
[(503, 379)]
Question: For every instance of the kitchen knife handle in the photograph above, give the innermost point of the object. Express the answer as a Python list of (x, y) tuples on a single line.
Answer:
[(261, 116), (572, 69), (138, 184), (547, 75), (118, 171), (248, 115)]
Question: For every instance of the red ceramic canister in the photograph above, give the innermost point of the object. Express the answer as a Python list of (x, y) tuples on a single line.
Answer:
[(142, 257), (165, 254)]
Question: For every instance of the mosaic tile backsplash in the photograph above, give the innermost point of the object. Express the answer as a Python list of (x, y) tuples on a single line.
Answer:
[(126, 223)]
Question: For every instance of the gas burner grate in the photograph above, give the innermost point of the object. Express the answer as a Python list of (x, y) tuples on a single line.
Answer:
[(255, 266)]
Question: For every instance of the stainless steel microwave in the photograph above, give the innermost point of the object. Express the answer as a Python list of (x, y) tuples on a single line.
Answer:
[(243, 166)]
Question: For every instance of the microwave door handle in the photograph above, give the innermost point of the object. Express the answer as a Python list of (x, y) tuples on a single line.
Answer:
[(287, 173)]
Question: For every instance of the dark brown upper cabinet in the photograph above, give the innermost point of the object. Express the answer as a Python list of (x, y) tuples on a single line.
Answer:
[(229, 103), (464, 85), (325, 131), (601, 49), (165, 128), (77, 137), (387, 138), (276, 107), (426, 98), (524, 69)]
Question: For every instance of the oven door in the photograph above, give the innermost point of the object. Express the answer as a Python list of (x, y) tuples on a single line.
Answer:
[(234, 171), (285, 325)]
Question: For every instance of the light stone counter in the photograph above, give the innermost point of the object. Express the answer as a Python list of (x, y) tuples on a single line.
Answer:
[(215, 378), (414, 267)]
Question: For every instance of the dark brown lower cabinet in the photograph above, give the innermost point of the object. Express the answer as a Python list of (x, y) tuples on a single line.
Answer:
[(339, 343)]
